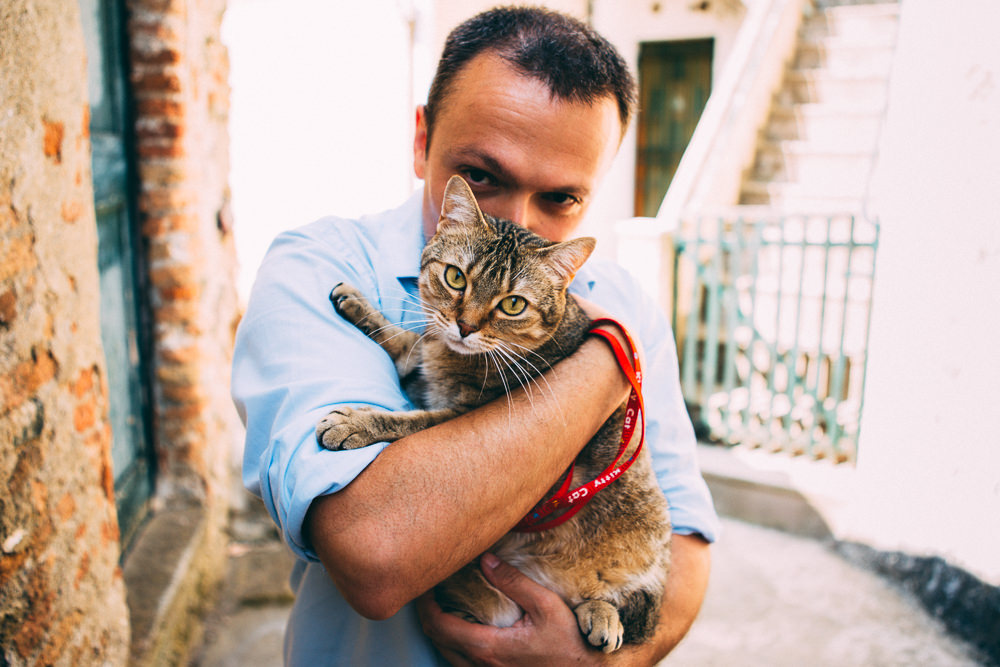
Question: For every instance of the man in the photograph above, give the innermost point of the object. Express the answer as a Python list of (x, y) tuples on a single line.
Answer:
[(528, 106)]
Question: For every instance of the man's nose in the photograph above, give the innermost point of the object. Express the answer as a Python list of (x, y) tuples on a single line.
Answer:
[(517, 209)]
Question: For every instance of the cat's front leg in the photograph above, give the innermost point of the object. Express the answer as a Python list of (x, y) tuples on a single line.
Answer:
[(396, 341), (600, 624), (351, 428)]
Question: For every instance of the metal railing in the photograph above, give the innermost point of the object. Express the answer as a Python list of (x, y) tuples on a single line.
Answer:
[(772, 316)]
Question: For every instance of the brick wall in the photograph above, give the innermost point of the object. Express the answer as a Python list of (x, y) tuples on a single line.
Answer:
[(61, 591), (181, 99)]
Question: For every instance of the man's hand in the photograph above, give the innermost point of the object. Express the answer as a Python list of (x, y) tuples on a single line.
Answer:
[(548, 634)]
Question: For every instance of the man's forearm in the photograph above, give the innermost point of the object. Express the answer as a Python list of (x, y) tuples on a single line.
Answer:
[(433, 501)]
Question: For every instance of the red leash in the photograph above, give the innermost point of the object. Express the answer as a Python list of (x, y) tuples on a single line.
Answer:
[(574, 500)]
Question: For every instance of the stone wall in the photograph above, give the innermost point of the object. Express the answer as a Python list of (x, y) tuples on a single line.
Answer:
[(62, 598)]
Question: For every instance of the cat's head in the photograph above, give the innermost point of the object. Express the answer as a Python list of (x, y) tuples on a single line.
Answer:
[(488, 283)]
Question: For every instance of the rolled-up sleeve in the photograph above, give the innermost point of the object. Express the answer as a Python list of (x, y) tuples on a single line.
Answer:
[(294, 360)]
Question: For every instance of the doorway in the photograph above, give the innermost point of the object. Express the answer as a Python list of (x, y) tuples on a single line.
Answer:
[(675, 79), (119, 250)]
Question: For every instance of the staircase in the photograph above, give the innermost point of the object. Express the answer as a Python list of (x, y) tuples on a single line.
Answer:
[(817, 150)]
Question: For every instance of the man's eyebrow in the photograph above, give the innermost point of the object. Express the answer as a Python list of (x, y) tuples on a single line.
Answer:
[(492, 165), (488, 162)]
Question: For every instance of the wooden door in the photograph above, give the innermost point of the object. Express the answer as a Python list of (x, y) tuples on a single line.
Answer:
[(675, 79)]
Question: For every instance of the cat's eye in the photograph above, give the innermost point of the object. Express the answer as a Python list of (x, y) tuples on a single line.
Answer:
[(454, 277), (513, 305)]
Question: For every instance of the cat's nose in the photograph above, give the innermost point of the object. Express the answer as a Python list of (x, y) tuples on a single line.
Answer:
[(465, 328)]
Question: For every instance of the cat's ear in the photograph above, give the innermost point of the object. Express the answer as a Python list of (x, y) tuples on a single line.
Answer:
[(459, 206), (567, 257)]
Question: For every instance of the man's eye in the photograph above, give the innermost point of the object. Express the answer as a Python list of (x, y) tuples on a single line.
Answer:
[(478, 177), (561, 199)]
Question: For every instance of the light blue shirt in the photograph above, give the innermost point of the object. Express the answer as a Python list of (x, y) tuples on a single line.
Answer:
[(295, 359)]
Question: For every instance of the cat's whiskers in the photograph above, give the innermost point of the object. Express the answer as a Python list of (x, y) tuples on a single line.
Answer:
[(538, 374), (418, 305), (530, 351), (522, 376), (491, 354), (486, 374), (421, 311), (514, 362), (429, 331), (394, 326), (412, 325)]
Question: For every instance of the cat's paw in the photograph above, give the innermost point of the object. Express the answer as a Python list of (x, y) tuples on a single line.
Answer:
[(347, 428), (348, 302), (600, 624)]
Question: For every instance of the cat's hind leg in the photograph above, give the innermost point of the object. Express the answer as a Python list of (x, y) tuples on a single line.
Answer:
[(600, 624), (632, 620)]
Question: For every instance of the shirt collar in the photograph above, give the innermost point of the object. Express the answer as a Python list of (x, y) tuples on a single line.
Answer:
[(402, 237)]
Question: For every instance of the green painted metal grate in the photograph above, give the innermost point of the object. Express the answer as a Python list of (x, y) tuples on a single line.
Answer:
[(772, 317)]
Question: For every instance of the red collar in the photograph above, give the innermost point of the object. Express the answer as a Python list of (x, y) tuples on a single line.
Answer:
[(574, 500)]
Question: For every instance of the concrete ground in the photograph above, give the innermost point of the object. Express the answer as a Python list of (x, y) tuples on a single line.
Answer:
[(778, 600), (774, 600)]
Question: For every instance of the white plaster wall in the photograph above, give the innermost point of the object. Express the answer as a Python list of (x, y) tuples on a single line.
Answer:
[(322, 113), (929, 454)]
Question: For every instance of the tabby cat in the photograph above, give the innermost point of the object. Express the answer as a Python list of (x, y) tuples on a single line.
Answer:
[(495, 295)]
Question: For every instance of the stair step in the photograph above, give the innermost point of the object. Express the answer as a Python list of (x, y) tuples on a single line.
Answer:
[(876, 22), (799, 197), (858, 9), (838, 169), (819, 86), (824, 124), (844, 58)]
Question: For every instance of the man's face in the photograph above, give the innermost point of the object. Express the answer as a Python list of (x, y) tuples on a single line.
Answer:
[(528, 157)]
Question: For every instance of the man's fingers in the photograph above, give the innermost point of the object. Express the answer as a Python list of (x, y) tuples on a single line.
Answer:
[(451, 635), (529, 596)]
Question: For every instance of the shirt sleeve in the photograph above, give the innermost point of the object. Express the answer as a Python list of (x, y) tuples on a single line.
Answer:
[(294, 360), (669, 433)]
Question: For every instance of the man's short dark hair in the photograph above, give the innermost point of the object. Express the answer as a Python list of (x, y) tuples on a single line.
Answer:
[(569, 57)]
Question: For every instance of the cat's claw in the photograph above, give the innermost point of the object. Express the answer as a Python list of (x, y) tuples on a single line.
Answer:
[(349, 303), (600, 624), (345, 428), (338, 293)]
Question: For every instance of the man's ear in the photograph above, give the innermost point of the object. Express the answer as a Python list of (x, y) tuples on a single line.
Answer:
[(420, 143)]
